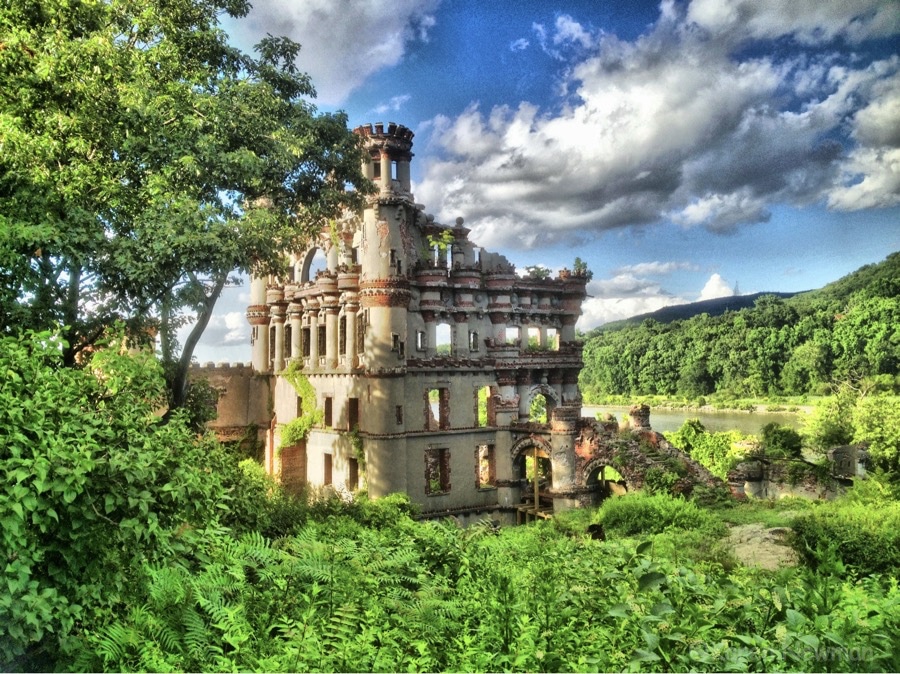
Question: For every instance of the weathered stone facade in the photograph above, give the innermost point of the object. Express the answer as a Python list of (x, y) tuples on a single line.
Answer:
[(424, 353)]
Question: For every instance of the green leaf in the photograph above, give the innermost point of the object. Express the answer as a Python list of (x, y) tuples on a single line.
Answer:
[(794, 619), (650, 580), (662, 608), (619, 611), (810, 640)]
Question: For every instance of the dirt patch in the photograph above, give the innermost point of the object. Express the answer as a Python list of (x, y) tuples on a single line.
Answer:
[(761, 546)]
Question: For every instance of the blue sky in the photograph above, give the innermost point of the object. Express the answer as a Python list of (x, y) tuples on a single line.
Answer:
[(680, 148)]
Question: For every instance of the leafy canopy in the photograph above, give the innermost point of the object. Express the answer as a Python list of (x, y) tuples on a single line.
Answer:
[(143, 160)]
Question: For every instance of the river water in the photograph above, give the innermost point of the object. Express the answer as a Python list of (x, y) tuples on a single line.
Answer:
[(664, 420)]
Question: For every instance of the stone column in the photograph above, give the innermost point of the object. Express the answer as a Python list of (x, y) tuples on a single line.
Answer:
[(523, 386), (258, 317), (314, 338), (462, 334), (278, 319), (331, 336), (430, 334), (385, 172), (640, 417), (403, 174), (567, 334), (295, 312), (498, 325), (563, 428), (350, 309)]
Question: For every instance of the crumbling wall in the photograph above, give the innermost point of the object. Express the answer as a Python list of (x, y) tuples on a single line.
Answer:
[(245, 399)]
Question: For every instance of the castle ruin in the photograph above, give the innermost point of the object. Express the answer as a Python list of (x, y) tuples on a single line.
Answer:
[(420, 356)]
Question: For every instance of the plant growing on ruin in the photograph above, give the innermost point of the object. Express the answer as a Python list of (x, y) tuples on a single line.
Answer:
[(359, 451), (297, 430), (537, 272), (580, 269)]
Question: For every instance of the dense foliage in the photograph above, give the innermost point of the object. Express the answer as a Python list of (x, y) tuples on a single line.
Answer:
[(94, 487), (132, 543), (407, 596), (144, 160), (848, 331)]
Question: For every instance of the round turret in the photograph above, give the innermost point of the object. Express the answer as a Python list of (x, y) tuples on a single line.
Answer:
[(389, 155)]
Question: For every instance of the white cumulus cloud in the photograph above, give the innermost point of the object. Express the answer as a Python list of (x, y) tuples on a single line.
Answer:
[(677, 124), (343, 41), (715, 287)]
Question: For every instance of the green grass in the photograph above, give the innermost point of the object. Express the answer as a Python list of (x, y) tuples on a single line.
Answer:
[(771, 513)]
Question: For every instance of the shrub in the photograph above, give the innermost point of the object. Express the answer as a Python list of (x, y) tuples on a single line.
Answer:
[(865, 536), (781, 441), (640, 513)]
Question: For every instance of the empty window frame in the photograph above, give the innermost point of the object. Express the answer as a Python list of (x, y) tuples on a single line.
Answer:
[(437, 409), (486, 467), (443, 339), (304, 342), (484, 412), (437, 470), (473, 340), (353, 414), (329, 409), (342, 336)]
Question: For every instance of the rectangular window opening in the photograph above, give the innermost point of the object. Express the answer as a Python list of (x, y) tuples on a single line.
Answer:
[(437, 409), (437, 470), (353, 414), (353, 474), (304, 342), (286, 346), (328, 412), (487, 468), (327, 476), (484, 407)]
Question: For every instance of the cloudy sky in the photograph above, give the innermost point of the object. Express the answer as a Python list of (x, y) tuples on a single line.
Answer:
[(685, 150)]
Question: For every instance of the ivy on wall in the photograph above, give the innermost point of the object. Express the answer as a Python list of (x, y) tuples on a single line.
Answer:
[(297, 430)]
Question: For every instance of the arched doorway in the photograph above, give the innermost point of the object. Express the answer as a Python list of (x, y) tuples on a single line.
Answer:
[(542, 400), (604, 480), (534, 470)]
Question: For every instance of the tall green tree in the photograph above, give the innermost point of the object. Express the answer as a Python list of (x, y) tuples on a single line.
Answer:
[(92, 485), (144, 160)]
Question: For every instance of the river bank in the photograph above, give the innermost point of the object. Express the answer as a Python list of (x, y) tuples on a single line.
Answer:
[(665, 419)]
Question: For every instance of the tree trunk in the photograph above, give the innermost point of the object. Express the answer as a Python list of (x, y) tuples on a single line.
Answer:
[(179, 381)]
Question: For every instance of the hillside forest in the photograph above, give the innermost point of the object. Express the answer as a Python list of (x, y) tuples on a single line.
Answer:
[(848, 331)]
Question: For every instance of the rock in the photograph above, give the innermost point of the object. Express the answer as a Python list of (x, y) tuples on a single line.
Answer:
[(766, 548)]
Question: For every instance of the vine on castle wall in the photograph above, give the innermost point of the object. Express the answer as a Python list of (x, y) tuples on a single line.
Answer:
[(359, 451), (298, 429)]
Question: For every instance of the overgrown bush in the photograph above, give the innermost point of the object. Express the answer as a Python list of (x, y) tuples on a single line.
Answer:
[(639, 513), (781, 441), (718, 452), (865, 536), (93, 484)]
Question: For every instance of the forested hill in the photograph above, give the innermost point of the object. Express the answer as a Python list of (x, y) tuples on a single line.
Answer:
[(714, 307), (849, 329)]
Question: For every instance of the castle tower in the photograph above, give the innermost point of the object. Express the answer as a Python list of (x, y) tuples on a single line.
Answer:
[(384, 296)]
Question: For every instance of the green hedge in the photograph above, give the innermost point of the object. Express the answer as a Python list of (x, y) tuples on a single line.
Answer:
[(641, 513), (865, 536)]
